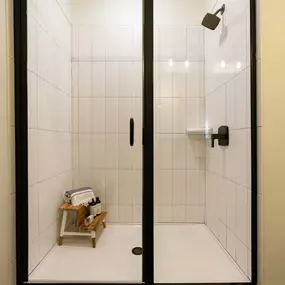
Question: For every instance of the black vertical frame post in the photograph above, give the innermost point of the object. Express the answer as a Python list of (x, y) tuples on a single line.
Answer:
[(21, 138), (254, 190), (148, 144)]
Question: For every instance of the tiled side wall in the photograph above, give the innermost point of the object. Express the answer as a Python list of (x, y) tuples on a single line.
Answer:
[(228, 169), (49, 97)]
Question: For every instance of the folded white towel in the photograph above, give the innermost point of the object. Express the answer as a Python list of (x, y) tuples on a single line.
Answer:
[(79, 196), (82, 199)]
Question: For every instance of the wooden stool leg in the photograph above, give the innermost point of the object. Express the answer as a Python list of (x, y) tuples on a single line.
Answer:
[(60, 241), (63, 223), (104, 224), (93, 236), (94, 242)]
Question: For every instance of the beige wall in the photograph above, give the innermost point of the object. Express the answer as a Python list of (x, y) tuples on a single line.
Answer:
[(259, 148), (7, 190), (273, 102)]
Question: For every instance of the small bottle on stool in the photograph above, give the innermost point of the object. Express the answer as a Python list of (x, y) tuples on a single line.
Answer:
[(93, 208), (99, 206)]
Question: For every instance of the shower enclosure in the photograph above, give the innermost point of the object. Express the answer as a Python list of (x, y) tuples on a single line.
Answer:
[(157, 114)]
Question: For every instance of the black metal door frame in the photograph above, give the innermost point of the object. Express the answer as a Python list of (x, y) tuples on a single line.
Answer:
[(21, 137), (148, 143)]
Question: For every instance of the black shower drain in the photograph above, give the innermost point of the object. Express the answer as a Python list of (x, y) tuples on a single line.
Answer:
[(137, 251)]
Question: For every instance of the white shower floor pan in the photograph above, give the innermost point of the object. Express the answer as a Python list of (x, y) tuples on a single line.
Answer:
[(183, 254)]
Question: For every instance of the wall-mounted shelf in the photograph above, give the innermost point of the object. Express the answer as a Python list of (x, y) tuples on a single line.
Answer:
[(198, 131), (206, 132)]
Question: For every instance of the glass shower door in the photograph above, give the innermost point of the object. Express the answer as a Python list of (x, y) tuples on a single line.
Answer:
[(85, 130), (203, 186), (179, 159)]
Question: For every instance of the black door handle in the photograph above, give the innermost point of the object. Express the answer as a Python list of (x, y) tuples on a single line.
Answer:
[(132, 127)]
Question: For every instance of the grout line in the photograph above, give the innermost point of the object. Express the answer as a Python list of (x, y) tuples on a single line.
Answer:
[(237, 183), (76, 182), (171, 139), (47, 32), (227, 227), (228, 81), (63, 12), (214, 6), (38, 240), (228, 253), (238, 129), (105, 150), (51, 84), (78, 116), (52, 131), (52, 177), (106, 60), (110, 60)]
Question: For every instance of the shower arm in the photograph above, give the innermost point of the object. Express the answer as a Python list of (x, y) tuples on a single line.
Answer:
[(221, 10)]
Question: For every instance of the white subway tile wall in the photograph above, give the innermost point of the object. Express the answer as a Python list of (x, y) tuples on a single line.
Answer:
[(179, 104), (49, 121), (228, 169), (107, 92)]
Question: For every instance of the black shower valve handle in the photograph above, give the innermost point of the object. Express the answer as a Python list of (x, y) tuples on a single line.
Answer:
[(213, 138), (222, 136)]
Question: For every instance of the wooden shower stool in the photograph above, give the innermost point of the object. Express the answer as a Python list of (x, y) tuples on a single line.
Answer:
[(82, 213)]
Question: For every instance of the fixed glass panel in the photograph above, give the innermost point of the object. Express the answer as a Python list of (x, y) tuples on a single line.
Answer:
[(202, 181), (85, 102)]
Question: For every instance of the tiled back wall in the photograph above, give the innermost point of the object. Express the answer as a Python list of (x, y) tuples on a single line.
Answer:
[(107, 91), (179, 104)]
